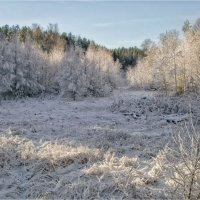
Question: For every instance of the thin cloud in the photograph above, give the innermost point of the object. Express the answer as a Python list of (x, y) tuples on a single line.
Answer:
[(127, 22), (103, 24), (139, 20)]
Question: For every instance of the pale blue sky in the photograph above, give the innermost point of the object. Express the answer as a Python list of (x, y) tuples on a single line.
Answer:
[(110, 23)]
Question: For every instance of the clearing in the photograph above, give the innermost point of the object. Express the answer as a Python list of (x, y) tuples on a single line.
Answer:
[(94, 148)]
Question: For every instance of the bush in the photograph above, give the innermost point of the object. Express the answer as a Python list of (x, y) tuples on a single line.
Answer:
[(183, 177)]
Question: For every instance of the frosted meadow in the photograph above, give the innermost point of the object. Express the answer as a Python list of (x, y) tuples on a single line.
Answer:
[(79, 120)]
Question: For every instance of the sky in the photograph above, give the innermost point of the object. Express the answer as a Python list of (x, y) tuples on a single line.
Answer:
[(109, 23)]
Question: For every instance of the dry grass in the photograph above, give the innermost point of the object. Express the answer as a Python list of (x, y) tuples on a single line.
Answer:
[(41, 165), (59, 170), (48, 170)]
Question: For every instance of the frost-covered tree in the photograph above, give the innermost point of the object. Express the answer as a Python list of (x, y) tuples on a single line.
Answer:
[(169, 55), (19, 68), (105, 64), (91, 74), (142, 75), (72, 77), (172, 65), (196, 26)]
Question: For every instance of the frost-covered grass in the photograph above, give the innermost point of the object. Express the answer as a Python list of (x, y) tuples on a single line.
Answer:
[(58, 170), (40, 169), (93, 149)]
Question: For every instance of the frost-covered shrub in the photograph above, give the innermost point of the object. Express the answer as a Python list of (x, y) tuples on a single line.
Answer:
[(162, 105), (183, 165)]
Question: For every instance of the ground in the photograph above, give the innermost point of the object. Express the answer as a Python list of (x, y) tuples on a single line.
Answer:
[(90, 134)]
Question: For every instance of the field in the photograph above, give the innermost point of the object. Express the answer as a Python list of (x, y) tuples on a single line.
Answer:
[(100, 108), (110, 147)]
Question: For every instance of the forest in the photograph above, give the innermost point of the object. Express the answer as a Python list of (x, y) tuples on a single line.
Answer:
[(83, 121), (36, 60)]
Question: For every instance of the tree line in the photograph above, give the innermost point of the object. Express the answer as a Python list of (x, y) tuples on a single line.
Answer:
[(35, 61), (48, 39)]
